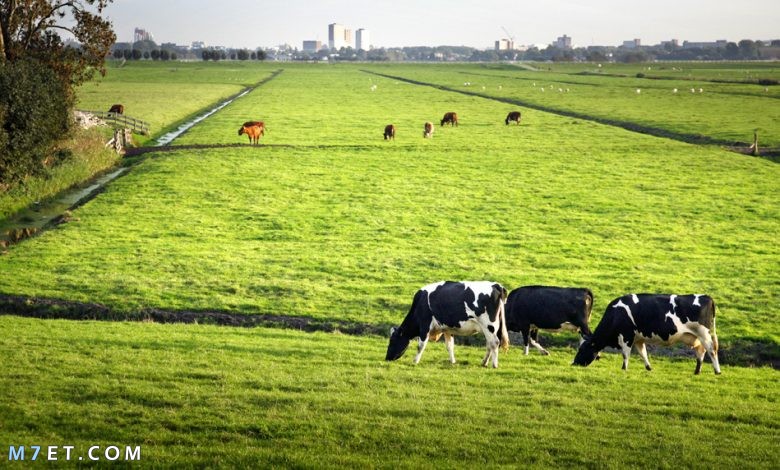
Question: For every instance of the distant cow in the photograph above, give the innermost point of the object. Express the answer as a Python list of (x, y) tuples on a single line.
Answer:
[(453, 309), (451, 118), (633, 320), (512, 116), (389, 132), (117, 108), (253, 129), (531, 308), (428, 129)]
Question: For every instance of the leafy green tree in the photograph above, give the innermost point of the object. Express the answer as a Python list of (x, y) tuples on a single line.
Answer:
[(34, 114), (31, 29)]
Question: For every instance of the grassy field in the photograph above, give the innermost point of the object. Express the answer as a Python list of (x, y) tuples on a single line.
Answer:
[(224, 397), (326, 220), (725, 112), (165, 94)]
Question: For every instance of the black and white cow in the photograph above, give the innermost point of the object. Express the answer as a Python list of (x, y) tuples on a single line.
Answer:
[(533, 308), (453, 309), (633, 320)]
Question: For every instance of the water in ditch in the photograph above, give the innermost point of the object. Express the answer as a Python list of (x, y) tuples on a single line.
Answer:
[(40, 215)]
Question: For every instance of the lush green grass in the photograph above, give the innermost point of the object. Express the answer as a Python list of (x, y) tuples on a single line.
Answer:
[(328, 220), (221, 397), (723, 111), (164, 94), (704, 71)]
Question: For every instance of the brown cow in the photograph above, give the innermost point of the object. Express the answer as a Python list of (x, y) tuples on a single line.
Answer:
[(389, 132), (513, 116), (253, 129), (117, 108), (451, 118), (428, 129)]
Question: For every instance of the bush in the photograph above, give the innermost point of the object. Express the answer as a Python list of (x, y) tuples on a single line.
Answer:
[(34, 114)]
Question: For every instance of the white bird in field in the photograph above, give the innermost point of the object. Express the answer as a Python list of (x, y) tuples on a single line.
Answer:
[(674, 91), (693, 90), (701, 90), (638, 91), (542, 89)]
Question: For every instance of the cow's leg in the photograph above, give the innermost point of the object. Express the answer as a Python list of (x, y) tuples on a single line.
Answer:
[(526, 338), (640, 348), (534, 336), (700, 350), (710, 343), (492, 349), (449, 341), (420, 348), (626, 350)]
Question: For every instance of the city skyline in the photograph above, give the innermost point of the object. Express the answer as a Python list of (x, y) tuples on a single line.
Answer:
[(401, 23)]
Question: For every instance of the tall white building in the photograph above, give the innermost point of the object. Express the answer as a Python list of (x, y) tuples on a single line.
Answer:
[(363, 39), (336, 36)]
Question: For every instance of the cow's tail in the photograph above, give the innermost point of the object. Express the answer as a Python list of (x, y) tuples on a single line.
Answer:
[(503, 333), (713, 333)]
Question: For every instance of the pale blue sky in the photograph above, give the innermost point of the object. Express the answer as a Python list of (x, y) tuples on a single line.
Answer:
[(245, 23)]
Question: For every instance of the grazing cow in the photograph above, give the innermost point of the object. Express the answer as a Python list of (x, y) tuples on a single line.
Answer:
[(531, 308), (253, 129), (428, 129), (389, 132), (453, 309), (633, 320), (451, 118), (117, 108), (512, 116)]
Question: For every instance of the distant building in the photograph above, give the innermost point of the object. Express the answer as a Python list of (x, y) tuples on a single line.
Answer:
[(312, 46), (504, 45), (336, 36), (142, 35), (348, 41), (703, 45), (672, 43), (632, 44), (363, 37), (563, 42), (198, 45)]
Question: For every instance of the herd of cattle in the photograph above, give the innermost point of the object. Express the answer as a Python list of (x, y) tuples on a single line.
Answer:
[(466, 308), (450, 118), (255, 129)]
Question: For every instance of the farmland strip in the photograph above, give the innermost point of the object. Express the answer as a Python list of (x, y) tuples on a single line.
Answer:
[(630, 126)]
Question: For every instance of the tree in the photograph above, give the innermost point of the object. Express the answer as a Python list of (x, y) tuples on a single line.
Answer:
[(34, 113), (31, 29), (261, 55)]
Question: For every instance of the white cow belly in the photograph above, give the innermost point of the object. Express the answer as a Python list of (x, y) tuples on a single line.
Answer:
[(565, 326), (466, 328)]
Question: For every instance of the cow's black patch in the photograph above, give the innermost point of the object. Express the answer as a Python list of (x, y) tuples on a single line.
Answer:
[(491, 329)]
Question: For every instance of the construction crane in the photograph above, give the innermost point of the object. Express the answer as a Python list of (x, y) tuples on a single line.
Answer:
[(509, 35)]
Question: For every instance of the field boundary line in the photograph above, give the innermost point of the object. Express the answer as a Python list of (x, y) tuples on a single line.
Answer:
[(697, 139), (738, 352)]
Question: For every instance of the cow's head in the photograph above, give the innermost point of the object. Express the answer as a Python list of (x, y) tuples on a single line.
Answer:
[(586, 354), (241, 131), (398, 344)]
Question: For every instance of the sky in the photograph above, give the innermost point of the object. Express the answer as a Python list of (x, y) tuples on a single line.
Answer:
[(475, 23)]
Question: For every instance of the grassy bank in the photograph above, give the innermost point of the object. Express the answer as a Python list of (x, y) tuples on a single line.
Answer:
[(87, 157)]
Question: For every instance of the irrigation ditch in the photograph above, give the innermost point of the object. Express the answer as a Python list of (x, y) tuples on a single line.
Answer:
[(45, 215), (743, 353)]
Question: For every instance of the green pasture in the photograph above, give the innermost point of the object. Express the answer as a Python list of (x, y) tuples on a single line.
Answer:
[(204, 396), (165, 94), (726, 112), (327, 220), (705, 71)]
